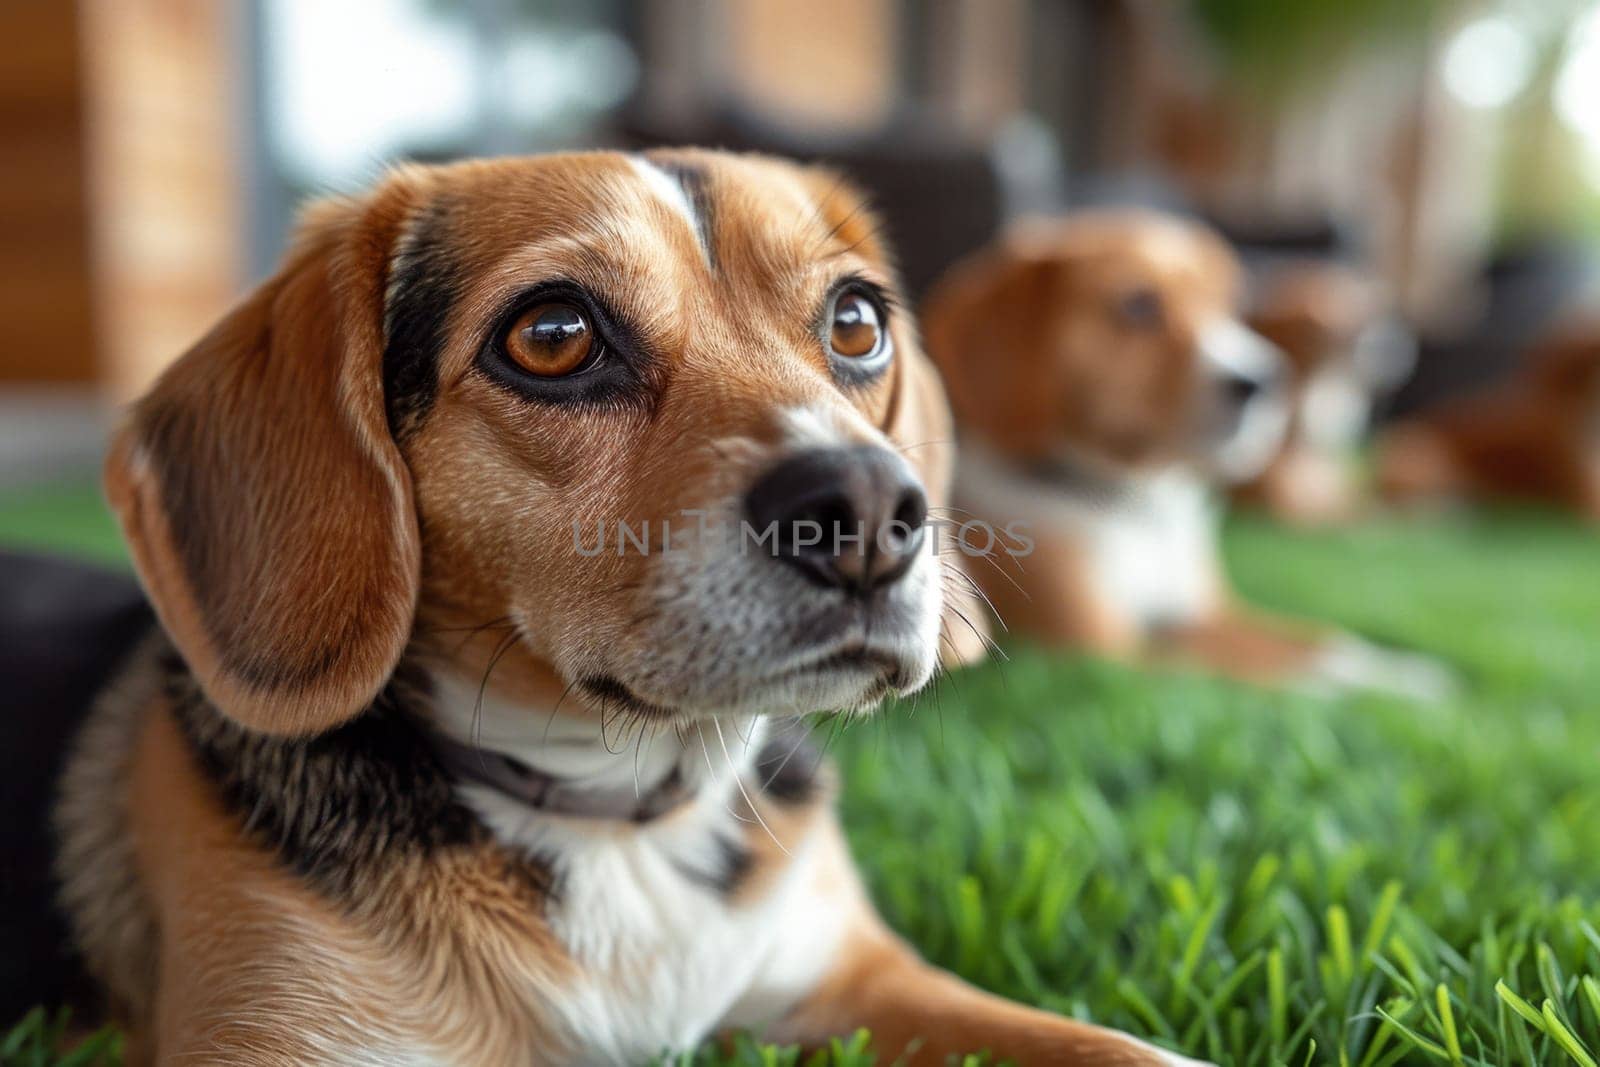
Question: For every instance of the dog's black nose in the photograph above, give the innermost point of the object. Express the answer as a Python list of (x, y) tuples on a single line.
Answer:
[(1240, 389), (847, 518)]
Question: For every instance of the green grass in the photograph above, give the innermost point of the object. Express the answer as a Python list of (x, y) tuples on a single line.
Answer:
[(1264, 878), (69, 517), (42, 1039)]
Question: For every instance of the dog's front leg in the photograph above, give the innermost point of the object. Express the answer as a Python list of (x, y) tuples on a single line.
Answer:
[(917, 1013), (924, 1014), (253, 967), (1260, 648), (1244, 644)]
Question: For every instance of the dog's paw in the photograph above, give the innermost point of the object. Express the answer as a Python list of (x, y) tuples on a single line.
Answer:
[(1173, 1059), (1162, 1057), (1348, 663)]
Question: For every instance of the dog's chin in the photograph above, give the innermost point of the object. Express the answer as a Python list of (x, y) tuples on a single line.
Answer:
[(850, 678), (1238, 444), (1107, 457), (854, 680), (833, 658), (740, 634)]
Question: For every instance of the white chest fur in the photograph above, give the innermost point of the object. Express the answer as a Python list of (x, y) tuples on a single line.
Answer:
[(664, 958), (664, 954), (1150, 546)]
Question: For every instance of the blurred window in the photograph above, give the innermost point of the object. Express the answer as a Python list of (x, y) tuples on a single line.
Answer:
[(345, 89)]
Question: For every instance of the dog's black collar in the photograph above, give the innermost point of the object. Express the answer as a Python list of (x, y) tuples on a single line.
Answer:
[(1079, 479), (559, 796)]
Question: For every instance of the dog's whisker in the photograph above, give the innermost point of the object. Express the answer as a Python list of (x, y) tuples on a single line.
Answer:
[(711, 771), (800, 742), (970, 584), (925, 444), (987, 641), (504, 621), (550, 720), (483, 686), (989, 558), (641, 747), (738, 780)]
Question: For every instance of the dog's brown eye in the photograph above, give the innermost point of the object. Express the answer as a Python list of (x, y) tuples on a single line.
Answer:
[(857, 330), (1142, 308), (550, 340)]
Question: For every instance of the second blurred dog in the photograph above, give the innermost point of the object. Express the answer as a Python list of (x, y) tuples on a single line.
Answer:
[(1344, 350), (1532, 439), (1103, 384)]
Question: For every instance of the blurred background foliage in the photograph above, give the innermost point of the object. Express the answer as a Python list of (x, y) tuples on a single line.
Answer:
[(1295, 45)]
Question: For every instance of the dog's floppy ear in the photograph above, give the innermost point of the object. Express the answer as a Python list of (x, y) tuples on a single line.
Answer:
[(984, 311), (267, 506)]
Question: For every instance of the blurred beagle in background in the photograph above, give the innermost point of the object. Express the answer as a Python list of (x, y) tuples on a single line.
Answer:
[(1343, 351), (1103, 385), (1532, 439), (415, 774)]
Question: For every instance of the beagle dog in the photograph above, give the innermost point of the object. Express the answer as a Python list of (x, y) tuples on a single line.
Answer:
[(469, 735), (1342, 351), (1532, 439), (1104, 384)]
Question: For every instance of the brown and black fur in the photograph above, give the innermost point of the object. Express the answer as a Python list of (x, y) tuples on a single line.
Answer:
[(338, 499), (355, 812)]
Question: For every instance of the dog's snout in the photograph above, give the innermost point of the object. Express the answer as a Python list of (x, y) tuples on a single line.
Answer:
[(846, 518), (1241, 362), (1240, 389)]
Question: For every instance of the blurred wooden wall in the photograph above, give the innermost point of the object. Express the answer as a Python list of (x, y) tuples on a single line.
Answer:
[(166, 124), (121, 192), (779, 61), (46, 317)]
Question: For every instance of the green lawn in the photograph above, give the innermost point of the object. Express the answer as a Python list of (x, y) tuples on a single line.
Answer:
[(1257, 877), (70, 518)]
